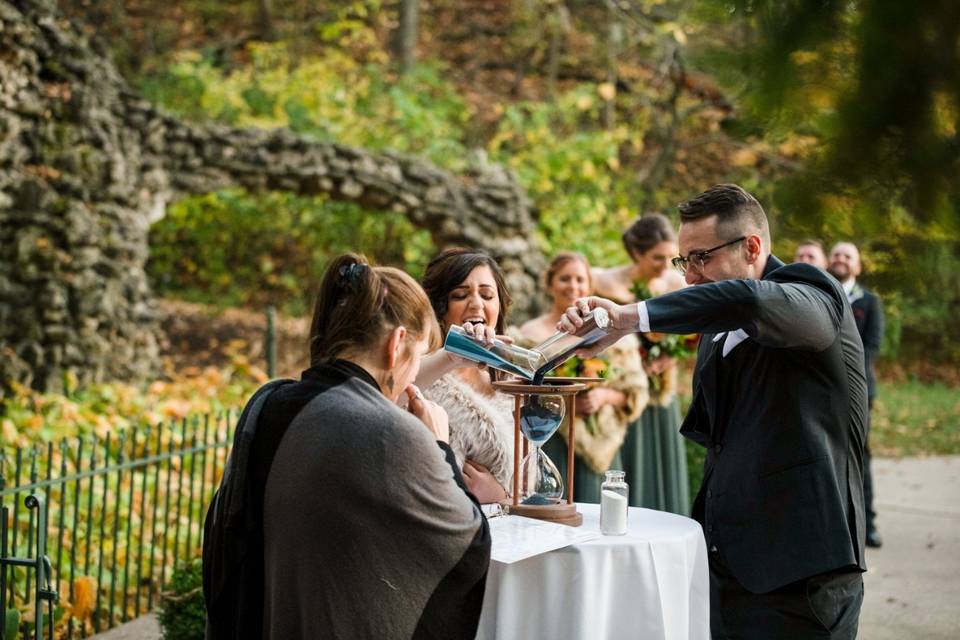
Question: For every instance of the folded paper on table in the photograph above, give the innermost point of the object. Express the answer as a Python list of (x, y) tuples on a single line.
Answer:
[(516, 538)]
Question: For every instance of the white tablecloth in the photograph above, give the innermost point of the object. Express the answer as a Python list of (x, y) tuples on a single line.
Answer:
[(650, 583)]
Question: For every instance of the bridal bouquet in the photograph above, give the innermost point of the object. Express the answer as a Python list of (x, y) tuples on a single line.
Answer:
[(577, 367), (654, 346)]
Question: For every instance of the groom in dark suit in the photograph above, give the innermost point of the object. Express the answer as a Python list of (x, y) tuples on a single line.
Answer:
[(780, 403)]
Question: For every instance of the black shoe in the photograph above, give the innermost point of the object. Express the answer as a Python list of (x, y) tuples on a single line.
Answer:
[(874, 540)]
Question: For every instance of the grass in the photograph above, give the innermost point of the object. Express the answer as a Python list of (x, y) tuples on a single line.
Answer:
[(914, 419)]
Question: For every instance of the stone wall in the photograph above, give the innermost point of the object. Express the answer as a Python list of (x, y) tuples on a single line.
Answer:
[(86, 165)]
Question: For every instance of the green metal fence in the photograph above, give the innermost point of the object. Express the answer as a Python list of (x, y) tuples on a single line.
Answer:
[(121, 511)]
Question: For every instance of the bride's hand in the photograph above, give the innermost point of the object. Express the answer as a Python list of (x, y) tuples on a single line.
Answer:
[(486, 334), (481, 483)]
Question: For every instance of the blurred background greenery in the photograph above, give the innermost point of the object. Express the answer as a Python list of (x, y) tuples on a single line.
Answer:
[(841, 117)]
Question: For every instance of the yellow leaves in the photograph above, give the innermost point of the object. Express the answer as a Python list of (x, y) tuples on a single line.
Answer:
[(946, 113), (175, 408), (744, 157), (804, 57), (101, 425), (33, 423), (823, 98), (11, 436), (84, 597), (607, 91), (584, 102), (797, 145), (69, 411)]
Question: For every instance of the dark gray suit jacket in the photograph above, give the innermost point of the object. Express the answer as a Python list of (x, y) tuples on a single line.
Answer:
[(868, 314), (783, 418)]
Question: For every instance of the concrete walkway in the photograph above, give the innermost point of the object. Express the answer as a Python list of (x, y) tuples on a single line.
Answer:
[(913, 585), (913, 582)]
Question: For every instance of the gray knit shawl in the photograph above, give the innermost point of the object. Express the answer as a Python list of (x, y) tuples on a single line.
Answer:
[(362, 520)]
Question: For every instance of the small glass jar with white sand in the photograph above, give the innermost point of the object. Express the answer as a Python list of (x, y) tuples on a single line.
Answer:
[(614, 499)]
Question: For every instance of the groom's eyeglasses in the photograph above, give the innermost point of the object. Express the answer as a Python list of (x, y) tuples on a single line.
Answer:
[(699, 258)]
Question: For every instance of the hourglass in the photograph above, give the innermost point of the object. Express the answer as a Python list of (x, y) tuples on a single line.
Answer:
[(538, 411), (540, 480)]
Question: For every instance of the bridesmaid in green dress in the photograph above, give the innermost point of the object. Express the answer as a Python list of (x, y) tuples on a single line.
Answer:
[(605, 412), (653, 454)]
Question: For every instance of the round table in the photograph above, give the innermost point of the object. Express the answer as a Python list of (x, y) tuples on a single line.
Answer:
[(651, 583)]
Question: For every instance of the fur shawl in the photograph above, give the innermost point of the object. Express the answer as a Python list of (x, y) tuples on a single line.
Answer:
[(481, 427)]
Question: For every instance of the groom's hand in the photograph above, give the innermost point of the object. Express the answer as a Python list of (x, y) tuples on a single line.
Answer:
[(623, 320)]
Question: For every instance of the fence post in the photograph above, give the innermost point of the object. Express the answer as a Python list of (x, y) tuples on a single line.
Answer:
[(271, 341), (45, 590)]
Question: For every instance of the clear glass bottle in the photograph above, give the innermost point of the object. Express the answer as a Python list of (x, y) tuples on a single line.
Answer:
[(614, 500)]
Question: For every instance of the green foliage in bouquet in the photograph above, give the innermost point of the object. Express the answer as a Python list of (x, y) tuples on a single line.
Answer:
[(680, 347), (182, 614)]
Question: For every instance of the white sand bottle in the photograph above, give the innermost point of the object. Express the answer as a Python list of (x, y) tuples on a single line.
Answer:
[(614, 500)]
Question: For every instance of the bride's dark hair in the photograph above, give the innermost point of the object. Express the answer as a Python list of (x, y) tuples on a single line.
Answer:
[(450, 268)]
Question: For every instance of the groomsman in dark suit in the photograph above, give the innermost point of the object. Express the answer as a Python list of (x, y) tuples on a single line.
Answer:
[(845, 266), (780, 403)]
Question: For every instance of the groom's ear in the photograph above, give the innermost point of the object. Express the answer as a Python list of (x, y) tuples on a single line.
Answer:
[(754, 247)]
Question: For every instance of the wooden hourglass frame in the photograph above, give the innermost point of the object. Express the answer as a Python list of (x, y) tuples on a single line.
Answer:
[(564, 512)]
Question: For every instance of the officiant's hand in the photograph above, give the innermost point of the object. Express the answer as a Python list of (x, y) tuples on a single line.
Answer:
[(623, 320), (429, 413), (481, 483)]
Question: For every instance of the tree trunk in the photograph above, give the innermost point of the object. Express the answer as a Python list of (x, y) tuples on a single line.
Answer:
[(407, 35), (265, 27), (614, 43)]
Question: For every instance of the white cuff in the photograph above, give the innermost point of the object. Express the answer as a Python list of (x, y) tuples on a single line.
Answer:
[(643, 323)]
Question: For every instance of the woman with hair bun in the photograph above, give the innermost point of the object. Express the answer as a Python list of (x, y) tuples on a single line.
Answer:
[(368, 528), (653, 453), (604, 412)]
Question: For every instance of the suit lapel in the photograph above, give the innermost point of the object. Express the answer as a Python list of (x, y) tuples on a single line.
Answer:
[(709, 381), (706, 380)]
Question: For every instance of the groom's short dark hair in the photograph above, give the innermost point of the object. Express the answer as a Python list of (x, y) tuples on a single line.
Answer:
[(738, 212)]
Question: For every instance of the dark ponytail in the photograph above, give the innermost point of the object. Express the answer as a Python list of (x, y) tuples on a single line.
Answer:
[(358, 304)]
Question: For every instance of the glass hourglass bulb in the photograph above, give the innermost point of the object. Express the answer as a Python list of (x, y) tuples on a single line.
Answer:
[(540, 417)]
